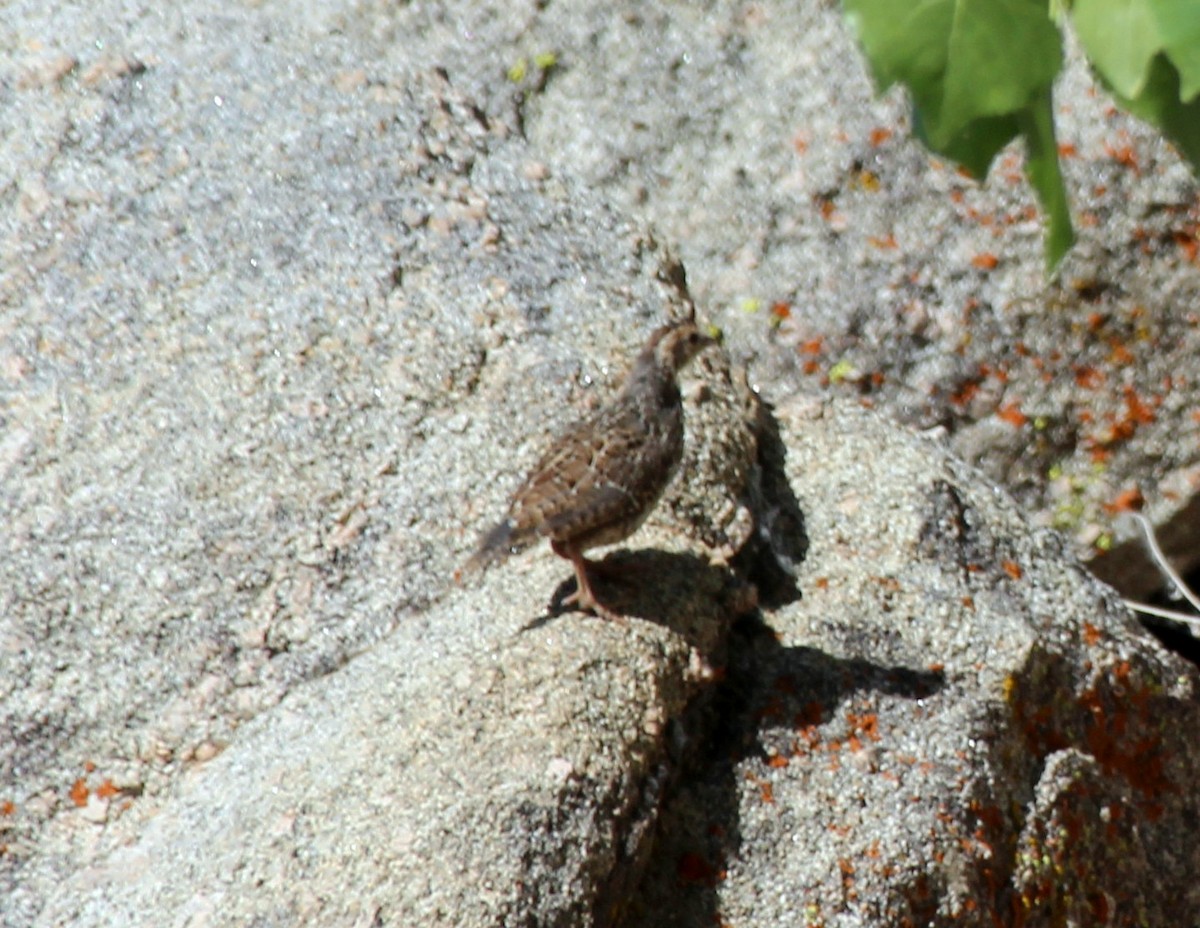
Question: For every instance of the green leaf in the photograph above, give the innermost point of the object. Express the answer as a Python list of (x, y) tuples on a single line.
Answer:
[(1120, 37), (957, 56), (1003, 55), (1160, 105), (1041, 164), (976, 145), (1123, 37), (980, 73), (1147, 52), (1179, 21)]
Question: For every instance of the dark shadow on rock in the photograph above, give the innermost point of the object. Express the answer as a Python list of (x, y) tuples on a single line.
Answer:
[(772, 556), (1173, 635), (697, 828), (690, 799), (771, 694), (674, 590)]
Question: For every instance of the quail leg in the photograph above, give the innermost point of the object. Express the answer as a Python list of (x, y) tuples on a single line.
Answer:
[(583, 597)]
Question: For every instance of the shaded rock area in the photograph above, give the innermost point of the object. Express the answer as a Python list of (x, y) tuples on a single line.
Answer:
[(291, 297)]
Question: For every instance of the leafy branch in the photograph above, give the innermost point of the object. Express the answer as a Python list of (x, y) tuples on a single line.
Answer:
[(980, 73)]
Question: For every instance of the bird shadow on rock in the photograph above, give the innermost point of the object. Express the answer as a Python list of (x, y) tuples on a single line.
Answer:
[(682, 592), (770, 704)]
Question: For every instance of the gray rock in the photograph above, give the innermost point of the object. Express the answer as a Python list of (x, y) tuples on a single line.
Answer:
[(286, 316), (278, 339), (498, 774), (950, 722)]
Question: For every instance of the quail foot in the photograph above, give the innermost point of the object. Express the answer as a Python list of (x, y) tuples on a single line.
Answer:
[(599, 480)]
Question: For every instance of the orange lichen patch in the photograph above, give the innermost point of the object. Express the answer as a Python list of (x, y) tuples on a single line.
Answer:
[(869, 181), (1139, 760), (1124, 155), (1011, 413), (807, 724), (999, 372), (766, 792), (1137, 410), (89, 766), (1091, 634), (693, 868), (985, 261), (1187, 244), (1013, 569), (989, 817), (1117, 722), (1121, 672), (777, 760), (1137, 413), (846, 866), (880, 135), (812, 345), (1089, 378), (772, 710), (1067, 150), (1129, 500), (7, 807), (1120, 353), (800, 143), (810, 713), (1040, 727), (965, 393), (780, 311), (107, 790), (884, 243), (1010, 165), (889, 583), (79, 792), (865, 724), (1098, 903)]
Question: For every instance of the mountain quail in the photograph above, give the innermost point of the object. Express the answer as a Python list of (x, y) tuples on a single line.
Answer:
[(599, 480)]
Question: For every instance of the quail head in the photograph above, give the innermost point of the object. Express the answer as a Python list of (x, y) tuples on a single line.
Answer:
[(600, 479)]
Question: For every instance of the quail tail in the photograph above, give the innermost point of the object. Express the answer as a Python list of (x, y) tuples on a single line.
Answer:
[(496, 545)]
